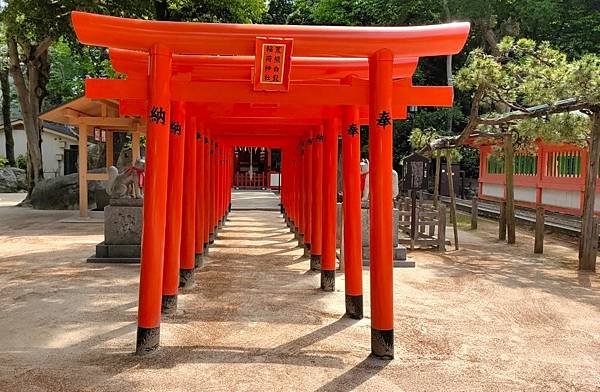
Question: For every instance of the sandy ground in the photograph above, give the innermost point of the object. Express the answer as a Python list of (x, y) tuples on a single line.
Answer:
[(489, 317)]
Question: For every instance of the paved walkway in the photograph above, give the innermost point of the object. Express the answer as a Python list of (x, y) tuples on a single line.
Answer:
[(254, 200), (488, 317), (11, 199)]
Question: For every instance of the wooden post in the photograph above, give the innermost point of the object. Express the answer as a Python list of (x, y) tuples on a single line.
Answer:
[(135, 146), (452, 196), (474, 213), (442, 228), (539, 230), (83, 168), (510, 190), (413, 218), (436, 185), (110, 149), (502, 221)]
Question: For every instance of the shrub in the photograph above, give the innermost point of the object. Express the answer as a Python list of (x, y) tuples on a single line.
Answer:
[(21, 162), (3, 162)]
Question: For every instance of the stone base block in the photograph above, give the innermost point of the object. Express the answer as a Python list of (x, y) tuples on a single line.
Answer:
[(107, 253), (123, 224), (399, 255)]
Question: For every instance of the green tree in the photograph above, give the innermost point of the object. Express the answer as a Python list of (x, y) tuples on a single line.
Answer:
[(547, 96), (278, 11), (31, 28)]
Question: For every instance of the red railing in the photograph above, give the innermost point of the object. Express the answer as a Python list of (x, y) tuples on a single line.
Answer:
[(244, 181)]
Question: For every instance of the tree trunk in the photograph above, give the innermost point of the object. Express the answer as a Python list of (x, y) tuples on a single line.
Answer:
[(452, 196), (31, 92), (8, 134), (587, 256), (509, 157)]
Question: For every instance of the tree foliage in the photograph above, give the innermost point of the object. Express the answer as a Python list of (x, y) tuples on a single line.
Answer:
[(536, 83)]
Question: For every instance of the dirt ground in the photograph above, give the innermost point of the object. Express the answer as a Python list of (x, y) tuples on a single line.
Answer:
[(490, 317)]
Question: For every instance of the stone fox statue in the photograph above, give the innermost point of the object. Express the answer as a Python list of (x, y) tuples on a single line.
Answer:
[(127, 184), (364, 173)]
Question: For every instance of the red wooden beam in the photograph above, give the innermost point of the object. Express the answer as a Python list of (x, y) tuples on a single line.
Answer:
[(236, 39)]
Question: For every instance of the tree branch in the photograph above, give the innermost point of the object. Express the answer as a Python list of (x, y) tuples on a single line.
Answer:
[(43, 46), (534, 113)]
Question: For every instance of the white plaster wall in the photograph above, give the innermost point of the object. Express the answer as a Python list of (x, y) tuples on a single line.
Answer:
[(494, 190), (560, 198), (51, 147), (20, 142), (274, 179), (597, 203), (526, 194)]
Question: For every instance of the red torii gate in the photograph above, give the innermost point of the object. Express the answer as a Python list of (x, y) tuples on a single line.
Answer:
[(195, 84)]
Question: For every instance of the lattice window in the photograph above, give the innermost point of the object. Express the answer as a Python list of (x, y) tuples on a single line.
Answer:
[(495, 165), (526, 165), (564, 164)]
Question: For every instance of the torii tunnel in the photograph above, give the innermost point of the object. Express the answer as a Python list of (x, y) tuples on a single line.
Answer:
[(204, 89)]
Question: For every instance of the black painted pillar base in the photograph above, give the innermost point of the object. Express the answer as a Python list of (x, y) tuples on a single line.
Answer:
[(315, 262), (382, 343), (281, 209), (354, 306), (306, 250), (186, 278), (211, 238), (229, 207), (169, 304), (148, 340), (205, 249), (199, 260), (327, 280)]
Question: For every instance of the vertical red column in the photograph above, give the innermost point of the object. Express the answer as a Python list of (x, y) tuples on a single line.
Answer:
[(330, 164), (317, 205), (308, 158), (284, 185), (206, 192), (188, 232), (155, 200), (352, 211), (294, 192), (174, 208), (212, 198), (302, 193), (200, 207), (380, 195)]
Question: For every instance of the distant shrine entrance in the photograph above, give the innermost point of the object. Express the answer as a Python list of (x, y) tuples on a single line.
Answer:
[(256, 168)]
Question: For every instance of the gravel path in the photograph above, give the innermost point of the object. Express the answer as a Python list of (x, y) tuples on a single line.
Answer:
[(488, 317)]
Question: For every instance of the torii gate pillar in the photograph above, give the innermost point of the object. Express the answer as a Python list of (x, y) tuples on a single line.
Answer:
[(352, 212), (174, 209), (380, 194), (330, 164), (317, 200), (155, 201)]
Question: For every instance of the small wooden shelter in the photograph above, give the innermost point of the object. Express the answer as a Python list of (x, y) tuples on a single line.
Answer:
[(90, 115)]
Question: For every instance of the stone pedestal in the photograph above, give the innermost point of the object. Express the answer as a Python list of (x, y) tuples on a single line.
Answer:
[(123, 220), (399, 251)]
